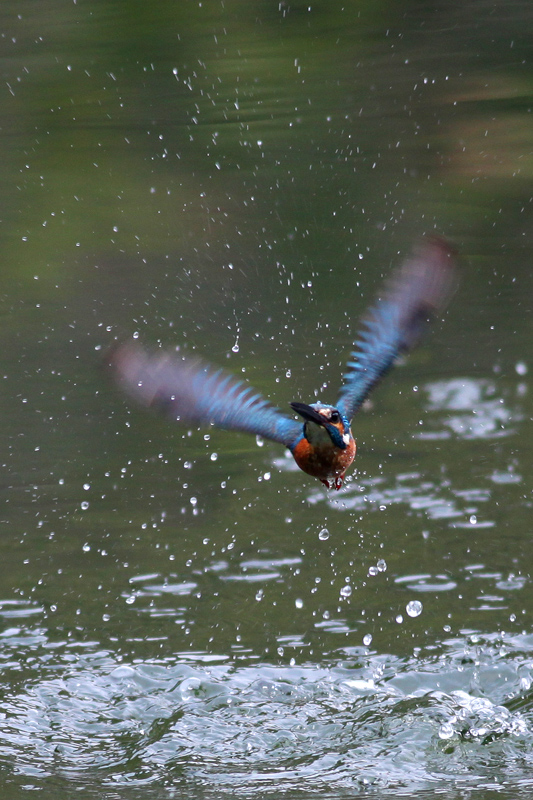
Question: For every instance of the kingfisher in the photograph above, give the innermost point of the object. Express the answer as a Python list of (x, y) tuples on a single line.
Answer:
[(191, 390)]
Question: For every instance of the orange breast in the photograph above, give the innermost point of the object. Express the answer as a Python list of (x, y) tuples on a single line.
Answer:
[(328, 463)]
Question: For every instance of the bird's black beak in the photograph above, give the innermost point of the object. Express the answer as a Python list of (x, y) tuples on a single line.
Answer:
[(309, 413)]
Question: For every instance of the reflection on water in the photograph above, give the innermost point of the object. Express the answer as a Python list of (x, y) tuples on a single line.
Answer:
[(435, 500), (479, 412)]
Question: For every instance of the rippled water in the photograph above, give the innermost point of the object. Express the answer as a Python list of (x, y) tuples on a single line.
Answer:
[(377, 641), (454, 720), (184, 613)]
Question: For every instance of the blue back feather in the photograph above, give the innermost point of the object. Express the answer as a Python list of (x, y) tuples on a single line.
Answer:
[(393, 325)]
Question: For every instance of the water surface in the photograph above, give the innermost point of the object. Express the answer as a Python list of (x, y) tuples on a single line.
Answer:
[(186, 614)]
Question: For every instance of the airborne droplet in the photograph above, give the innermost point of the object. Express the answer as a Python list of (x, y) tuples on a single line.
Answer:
[(414, 608)]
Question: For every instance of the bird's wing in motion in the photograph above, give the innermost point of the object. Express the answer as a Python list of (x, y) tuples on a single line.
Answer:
[(194, 391), (417, 290)]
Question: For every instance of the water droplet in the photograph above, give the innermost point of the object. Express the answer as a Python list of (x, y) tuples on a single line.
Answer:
[(367, 639), (193, 501), (446, 731), (346, 591), (213, 456), (382, 565), (86, 547), (84, 505), (235, 347), (473, 519), (323, 535), (521, 368), (299, 603), (414, 608), (86, 486), (399, 619)]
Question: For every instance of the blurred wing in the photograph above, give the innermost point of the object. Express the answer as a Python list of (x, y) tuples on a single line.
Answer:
[(193, 391), (416, 292)]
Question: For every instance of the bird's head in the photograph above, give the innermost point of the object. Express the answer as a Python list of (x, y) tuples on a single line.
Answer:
[(320, 418)]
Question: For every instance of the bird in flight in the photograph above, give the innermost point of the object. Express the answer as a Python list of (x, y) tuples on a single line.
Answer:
[(193, 391)]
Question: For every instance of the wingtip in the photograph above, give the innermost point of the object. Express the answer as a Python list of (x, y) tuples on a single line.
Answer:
[(126, 362), (434, 264), (113, 351), (439, 247)]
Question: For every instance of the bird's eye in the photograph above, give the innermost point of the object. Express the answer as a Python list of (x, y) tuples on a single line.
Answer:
[(335, 416)]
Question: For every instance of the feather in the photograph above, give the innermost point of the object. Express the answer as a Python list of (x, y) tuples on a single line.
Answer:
[(191, 390), (417, 291)]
